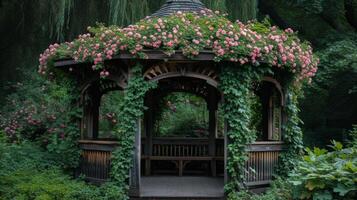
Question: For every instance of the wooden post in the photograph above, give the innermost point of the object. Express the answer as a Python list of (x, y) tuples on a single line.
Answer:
[(95, 118), (212, 128), (149, 133), (134, 182), (212, 139), (92, 117)]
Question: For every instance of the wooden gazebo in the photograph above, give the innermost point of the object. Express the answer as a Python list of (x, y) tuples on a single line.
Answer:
[(176, 73)]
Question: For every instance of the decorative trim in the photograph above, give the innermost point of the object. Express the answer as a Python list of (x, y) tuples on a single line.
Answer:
[(170, 70)]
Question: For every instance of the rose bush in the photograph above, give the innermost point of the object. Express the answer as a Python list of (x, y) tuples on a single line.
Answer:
[(190, 33), (42, 111)]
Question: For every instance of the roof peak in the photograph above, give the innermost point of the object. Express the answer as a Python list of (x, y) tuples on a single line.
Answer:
[(173, 6)]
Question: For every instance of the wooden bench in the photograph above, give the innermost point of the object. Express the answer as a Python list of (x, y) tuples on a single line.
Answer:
[(181, 162), (182, 151)]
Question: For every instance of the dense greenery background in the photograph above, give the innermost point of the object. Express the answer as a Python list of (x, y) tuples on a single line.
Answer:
[(329, 107)]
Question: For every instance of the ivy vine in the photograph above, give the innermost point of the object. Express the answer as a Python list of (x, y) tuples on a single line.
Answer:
[(292, 133), (235, 86), (131, 109)]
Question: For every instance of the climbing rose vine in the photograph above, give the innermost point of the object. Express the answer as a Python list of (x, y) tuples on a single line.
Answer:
[(190, 33)]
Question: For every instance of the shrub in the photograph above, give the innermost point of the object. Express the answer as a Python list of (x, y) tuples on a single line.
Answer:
[(25, 156), (279, 190), (28, 172), (326, 175), (48, 184), (41, 110)]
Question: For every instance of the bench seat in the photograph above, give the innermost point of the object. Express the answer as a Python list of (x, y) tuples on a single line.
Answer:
[(181, 162)]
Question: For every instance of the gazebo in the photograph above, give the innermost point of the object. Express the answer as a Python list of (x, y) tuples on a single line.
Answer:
[(146, 73)]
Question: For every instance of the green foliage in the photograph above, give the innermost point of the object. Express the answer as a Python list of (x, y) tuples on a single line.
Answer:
[(131, 110), (124, 12), (60, 17), (279, 190), (29, 172), (329, 106), (335, 58), (243, 10), (42, 110), (45, 185), (14, 157), (292, 134), (109, 113), (326, 175), (352, 134), (51, 184), (256, 118), (216, 4), (311, 6), (235, 86), (183, 115)]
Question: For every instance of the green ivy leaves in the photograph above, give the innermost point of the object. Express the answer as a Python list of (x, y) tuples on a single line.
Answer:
[(235, 85), (131, 109)]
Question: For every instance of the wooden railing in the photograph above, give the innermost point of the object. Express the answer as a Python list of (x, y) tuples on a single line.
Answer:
[(96, 159), (263, 159), (259, 169)]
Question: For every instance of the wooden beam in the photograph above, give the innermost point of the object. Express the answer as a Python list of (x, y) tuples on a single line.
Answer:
[(205, 55)]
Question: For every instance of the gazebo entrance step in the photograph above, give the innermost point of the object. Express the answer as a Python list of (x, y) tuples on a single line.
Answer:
[(185, 187)]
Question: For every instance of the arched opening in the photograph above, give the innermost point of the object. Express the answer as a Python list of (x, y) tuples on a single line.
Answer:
[(100, 100), (180, 143), (267, 111), (109, 114)]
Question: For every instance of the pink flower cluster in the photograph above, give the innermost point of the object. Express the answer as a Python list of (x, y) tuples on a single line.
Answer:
[(191, 33), (45, 56), (30, 116)]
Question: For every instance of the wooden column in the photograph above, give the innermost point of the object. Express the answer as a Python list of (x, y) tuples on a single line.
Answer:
[(212, 128), (212, 139), (92, 115), (149, 126), (95, 122), (134, 181)]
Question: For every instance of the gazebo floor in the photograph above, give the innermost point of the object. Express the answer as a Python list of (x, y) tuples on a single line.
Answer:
[(186, 187)]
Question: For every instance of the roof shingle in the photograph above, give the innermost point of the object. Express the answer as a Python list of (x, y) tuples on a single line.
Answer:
[(172, 6)]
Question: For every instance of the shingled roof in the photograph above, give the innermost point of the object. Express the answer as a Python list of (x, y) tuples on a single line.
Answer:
[(172, 6)]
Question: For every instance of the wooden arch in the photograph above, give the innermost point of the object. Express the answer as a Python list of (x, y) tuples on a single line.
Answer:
[(115, 81), (277, 86), (194, 86), (193, 70)]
